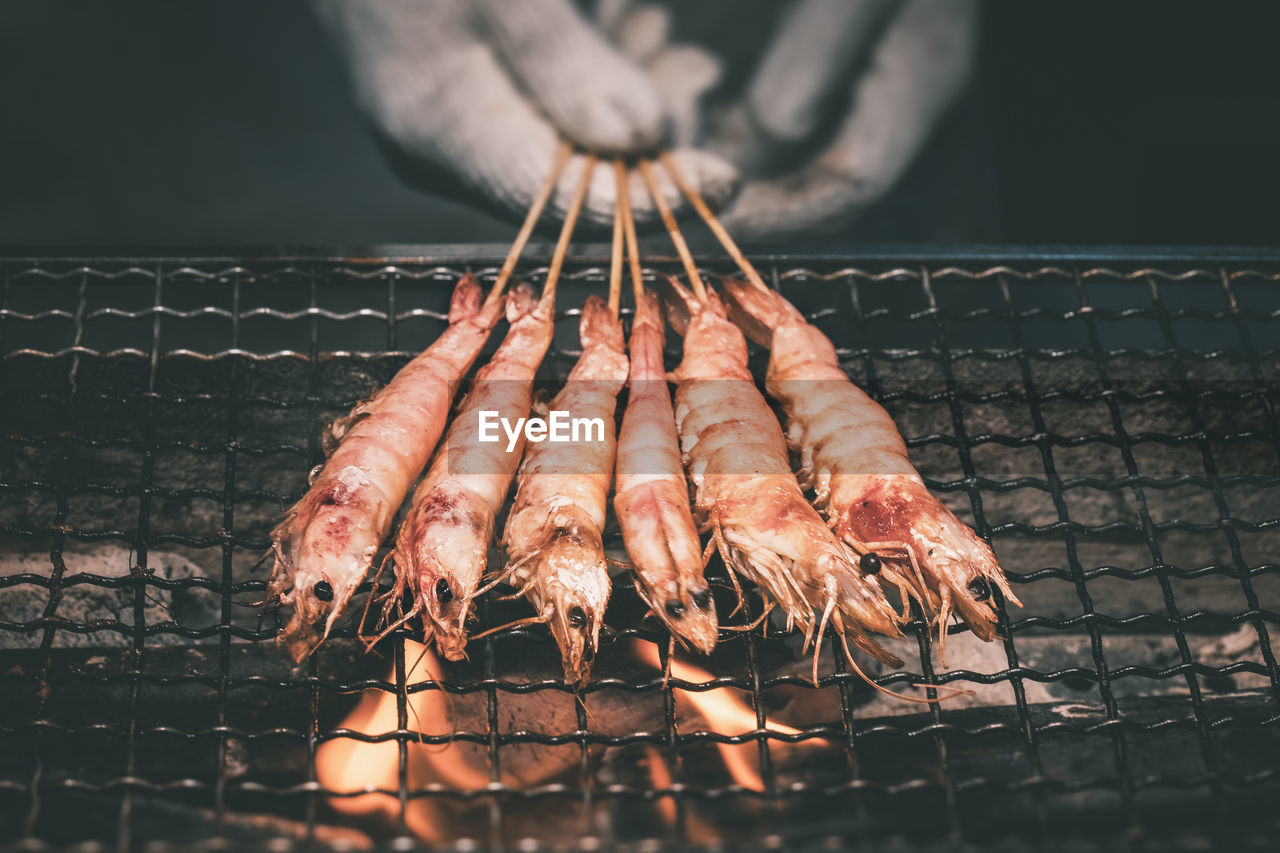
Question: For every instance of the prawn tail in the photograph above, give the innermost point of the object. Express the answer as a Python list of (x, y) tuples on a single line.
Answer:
[(521, 303), (759, 312), (598, 326), (648, 313), (466, 299), (681, 306)]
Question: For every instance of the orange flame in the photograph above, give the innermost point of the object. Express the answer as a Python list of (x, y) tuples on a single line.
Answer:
[(346, 765), (368, 774), (725, 712)]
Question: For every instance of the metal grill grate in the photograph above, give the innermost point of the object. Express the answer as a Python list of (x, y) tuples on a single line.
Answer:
[(1110, 426)]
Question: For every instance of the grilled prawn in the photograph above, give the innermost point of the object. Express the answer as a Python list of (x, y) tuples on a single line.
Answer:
[(652, 500), (324, 545), (748, 496), (442, 549), (854, 458), (553, 535)]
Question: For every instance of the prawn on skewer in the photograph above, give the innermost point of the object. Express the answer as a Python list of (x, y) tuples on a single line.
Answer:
[(442, 548), (324, 545), (747, 495), (745, 491), (554, 533), (856, 461), (652, 498)]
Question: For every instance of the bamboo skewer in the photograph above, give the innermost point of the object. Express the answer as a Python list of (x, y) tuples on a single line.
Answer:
[(633, 245), (669, 220), (530, 220), (713, 223), (566, 230), (615, 258)]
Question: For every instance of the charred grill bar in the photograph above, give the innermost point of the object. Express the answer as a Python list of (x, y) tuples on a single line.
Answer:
[(1110, 422)]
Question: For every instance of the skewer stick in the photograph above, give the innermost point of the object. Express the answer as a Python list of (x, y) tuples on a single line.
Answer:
[(530, 220), (633, 245), (695, 199), (615, 259), (566, 230), (669, 220)]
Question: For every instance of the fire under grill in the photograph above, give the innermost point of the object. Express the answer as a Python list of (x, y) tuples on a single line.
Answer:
[(1109, 423)]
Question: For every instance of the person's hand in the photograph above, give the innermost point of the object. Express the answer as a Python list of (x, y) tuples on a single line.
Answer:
[(828, 103), (887, 69), (486, 89)]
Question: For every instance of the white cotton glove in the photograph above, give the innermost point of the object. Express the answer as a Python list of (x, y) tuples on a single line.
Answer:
[(887, 69), (836, 97), (486, 89)]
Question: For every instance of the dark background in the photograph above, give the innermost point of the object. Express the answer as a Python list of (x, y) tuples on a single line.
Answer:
[(1136, 122), (153, 123)]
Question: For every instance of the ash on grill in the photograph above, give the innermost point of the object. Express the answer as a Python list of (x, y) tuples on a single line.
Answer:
[(1112, 427)]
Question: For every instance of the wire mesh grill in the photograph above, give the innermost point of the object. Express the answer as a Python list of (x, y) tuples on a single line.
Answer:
[(1110, 428)]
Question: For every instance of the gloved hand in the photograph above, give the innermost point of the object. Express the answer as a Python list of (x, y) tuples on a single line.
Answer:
[(486, 89), (844, 95)]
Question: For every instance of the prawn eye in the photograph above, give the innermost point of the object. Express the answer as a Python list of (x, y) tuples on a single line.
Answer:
[(444, 592), (869, 563), (577, 617), (980, 589), (323, 591), (702, 598), (675, 609)]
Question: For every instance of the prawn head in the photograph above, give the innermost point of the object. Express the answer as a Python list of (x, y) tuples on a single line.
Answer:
[(317, 593)]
